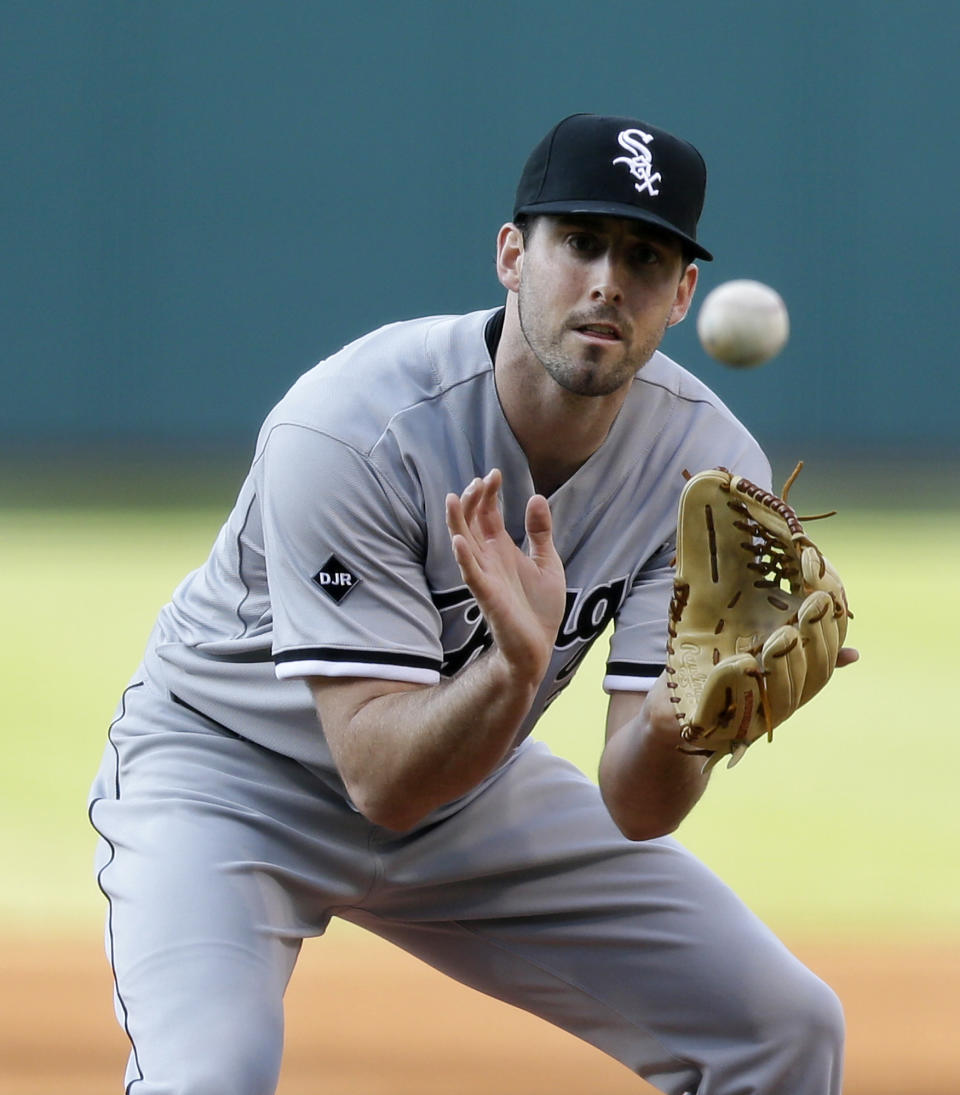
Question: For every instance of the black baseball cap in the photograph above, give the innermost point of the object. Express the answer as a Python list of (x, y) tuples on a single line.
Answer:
[(616, 167)]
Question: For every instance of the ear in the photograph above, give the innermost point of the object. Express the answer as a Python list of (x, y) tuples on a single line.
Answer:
[(509, 257), (685, 291)]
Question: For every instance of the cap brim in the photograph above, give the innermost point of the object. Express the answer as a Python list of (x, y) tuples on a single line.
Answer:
[(614, 209)]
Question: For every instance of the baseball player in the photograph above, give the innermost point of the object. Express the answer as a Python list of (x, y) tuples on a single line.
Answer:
[(332, 714)]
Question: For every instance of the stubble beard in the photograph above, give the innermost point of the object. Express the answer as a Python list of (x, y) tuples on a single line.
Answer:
[(590, 373)]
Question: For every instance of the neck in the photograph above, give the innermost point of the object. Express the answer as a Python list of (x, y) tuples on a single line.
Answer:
[(557, 430)]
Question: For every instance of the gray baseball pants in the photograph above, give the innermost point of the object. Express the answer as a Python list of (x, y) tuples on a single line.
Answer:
[(219, 857)]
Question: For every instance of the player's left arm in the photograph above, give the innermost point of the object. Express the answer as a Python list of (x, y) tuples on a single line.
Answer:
[(648, 785)]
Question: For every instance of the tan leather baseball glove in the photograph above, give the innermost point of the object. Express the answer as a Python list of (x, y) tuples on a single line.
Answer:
[(757, 617)]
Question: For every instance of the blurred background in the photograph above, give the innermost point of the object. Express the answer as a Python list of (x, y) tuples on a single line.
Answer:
[(201, 199)]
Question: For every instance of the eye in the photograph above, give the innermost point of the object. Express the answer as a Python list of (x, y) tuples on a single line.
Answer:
[(584, 243), (645, 254)]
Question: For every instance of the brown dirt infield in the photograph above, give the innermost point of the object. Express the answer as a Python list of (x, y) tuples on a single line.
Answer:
[(365, 1018)]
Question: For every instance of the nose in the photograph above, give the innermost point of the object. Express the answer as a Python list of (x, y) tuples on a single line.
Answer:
[(606, 286)]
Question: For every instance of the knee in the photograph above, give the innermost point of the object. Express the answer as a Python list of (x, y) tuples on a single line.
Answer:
[(233, 1077), (219, 1059), (804, 1034), (227, 1081), (815, 1016)]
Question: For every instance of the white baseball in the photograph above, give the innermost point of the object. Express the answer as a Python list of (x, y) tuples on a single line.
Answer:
[(743, 323)]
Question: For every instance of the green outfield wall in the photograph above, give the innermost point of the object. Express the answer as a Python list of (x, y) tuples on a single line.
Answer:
[(201, 198)]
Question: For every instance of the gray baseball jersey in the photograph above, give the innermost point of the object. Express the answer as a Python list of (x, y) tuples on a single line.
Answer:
[(227, 836), (336, 560)]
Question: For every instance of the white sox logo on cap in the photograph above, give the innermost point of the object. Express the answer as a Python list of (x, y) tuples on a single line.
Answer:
[(575, 169), (640, 164)]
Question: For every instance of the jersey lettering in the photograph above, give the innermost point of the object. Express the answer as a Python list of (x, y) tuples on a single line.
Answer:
[(595, 611), (584, 619)]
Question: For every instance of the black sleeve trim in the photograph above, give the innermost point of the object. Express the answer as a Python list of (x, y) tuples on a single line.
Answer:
[(634, 669), (364, 657)]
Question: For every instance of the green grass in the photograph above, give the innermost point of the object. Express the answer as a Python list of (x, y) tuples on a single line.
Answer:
[(82, 588), (846, 825)]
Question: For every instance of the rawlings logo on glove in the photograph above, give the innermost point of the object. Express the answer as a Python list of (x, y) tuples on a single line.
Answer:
[(757, 619)]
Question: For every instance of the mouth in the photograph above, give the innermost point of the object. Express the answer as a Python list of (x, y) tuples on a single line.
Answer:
[(603, 332)]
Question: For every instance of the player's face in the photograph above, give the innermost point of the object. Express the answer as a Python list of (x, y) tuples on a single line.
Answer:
[(595, 296)]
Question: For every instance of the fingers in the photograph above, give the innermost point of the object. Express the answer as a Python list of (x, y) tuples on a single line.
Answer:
[(820, 632), (539, 525), (462, 541), (477, 510), (483, 547), (819, 574), (730, 702), (481, 503), (798, 661), (783, 660), (742, 697)]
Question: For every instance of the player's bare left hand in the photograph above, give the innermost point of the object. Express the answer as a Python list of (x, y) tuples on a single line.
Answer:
[(521, 594)]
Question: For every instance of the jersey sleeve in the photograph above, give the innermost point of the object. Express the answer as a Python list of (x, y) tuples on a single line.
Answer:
[(344, 564), (638, 647)]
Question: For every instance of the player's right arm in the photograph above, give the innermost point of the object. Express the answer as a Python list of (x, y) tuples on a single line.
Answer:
[(404, 749)]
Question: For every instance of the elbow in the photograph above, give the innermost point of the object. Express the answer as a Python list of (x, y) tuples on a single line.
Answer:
[(388, 817), (385, 808), (644, 829), (639, 824)]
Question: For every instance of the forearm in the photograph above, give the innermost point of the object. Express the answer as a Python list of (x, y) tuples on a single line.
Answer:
[(403, 750), (403, 753), (648, 785)]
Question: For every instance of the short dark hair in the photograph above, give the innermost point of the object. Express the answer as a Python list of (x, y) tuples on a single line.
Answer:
[(525, 222)]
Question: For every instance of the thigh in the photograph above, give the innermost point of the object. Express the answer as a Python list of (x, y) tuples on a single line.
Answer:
[(216, 860), (533, 896)]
